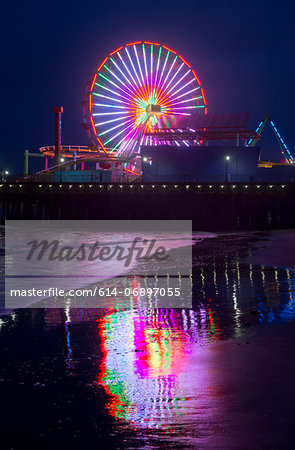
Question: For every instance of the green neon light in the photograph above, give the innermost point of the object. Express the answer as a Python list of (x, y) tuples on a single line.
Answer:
[(152, 54), (103, 76), (167, 56), (108, 69), (114, 148), (159, 54)]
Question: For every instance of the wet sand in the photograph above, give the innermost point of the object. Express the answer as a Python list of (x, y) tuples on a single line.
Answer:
[(237, 392), (243, 399), (277, 250), (255, 389)]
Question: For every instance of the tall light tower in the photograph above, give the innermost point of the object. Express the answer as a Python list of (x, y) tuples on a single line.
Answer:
[(58, 110)]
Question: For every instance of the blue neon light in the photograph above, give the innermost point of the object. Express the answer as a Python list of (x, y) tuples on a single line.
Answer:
[(282, 141), (256, 131)]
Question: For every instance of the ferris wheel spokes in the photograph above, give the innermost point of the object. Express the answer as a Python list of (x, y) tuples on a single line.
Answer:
[(138, 84)]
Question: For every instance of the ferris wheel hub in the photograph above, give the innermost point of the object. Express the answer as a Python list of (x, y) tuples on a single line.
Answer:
[(156, 109)]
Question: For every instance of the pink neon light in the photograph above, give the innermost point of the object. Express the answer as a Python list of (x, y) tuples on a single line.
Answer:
[(102, 64), (204, 97), (133, 43), (93, 124), (99, 141), (90, 104), (170, 49), (101, 144), (115, 51), (197, 78), (185, 62), (94, 79)]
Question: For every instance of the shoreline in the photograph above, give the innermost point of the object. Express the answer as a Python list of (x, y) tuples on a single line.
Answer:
[(259, 248)]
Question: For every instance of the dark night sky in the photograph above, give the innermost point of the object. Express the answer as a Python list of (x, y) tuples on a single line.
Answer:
[(242, 50)]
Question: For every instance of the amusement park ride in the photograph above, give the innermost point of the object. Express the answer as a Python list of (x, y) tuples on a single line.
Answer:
[(287, 157), (145, 94)]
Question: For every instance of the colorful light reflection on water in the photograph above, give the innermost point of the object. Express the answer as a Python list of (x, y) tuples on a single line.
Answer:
[(147, 367), (144, 366)]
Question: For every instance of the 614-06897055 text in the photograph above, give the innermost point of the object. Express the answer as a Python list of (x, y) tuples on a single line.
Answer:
[(100, 292)]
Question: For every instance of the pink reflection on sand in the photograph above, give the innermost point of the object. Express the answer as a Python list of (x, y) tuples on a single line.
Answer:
[(147, 369)]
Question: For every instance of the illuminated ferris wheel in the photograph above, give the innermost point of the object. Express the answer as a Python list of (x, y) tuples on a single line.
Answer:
[(132, 89)]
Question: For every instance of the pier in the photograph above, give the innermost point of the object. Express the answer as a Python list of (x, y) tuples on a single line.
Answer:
[(212, 207)]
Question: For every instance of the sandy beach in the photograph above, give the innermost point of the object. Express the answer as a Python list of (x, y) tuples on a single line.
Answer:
[(220, 376), (277, 250)]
